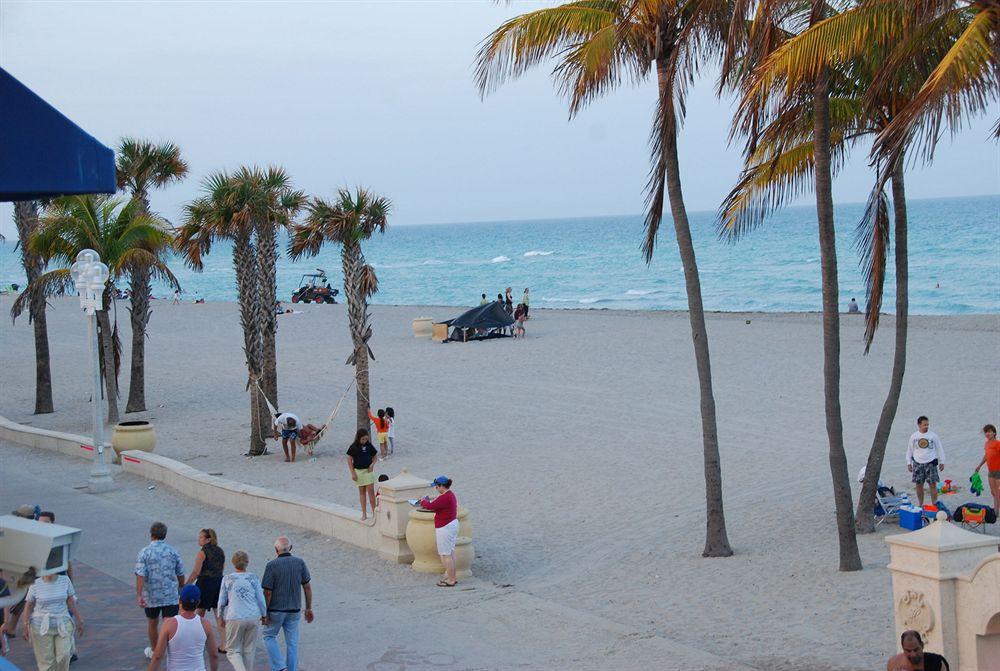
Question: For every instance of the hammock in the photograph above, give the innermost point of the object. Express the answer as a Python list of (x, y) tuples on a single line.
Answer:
[(322, 430)]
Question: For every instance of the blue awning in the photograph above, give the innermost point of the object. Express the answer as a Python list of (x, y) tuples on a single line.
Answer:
[(44, 154)]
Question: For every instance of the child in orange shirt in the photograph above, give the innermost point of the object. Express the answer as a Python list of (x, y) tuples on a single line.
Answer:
[(991, 458), (382, 431)]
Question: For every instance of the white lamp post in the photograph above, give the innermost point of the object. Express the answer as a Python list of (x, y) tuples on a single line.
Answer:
[(90, 277)]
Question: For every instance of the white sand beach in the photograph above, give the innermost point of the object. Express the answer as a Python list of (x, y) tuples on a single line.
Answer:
[(578, 453)]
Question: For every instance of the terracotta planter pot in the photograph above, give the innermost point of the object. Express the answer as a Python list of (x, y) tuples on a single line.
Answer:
[(422, 327), (137, 435), (423, 543)]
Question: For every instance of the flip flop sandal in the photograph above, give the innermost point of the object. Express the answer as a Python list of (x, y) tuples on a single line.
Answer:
[(442, 583)]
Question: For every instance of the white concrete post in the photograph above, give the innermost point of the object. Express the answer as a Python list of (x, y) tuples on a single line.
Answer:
[(925, 567), (394, 513)]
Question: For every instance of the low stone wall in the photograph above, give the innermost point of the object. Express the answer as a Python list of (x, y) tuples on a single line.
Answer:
[(328, 519), (67, 443), (385, 533)]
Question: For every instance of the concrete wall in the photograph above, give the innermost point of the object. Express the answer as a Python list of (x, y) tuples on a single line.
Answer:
[(384, 533), (328, 519), (67, 443)]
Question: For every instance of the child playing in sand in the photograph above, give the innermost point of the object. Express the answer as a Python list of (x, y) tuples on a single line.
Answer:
[(382, 431), (390, 414)]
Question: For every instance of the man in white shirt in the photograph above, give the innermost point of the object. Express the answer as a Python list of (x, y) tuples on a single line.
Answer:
[(288, 425), (924, 458)]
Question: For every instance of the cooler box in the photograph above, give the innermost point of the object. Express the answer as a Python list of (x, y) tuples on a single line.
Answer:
[(911, 518)]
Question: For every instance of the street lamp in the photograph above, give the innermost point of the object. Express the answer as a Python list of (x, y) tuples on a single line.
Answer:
[(90, 277)]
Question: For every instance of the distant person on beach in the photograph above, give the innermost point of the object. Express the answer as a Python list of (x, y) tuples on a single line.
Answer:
[(445, 509), (361, 457), (924, 458), (242, 609), (852, 307), (390, 415), (287, 425), (177, 297), (159, 574), (508, 301), (483, 301), (991, 458), (520, 314), (209, 566), (186, 638), (286, 579), (913, 657), (525, 302), (381, 432)]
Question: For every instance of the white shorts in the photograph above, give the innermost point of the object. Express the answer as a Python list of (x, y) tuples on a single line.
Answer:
[(447, 536)]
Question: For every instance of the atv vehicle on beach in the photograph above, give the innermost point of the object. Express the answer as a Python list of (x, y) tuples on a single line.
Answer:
[(315, 288)]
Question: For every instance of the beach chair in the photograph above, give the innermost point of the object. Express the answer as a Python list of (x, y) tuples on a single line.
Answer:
[(888, 505)]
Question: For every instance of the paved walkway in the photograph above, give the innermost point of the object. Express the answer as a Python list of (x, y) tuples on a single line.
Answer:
[(370, 615)]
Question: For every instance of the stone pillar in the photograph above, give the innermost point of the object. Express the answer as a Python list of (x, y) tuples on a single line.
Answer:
[(925, 567), (394, 512)]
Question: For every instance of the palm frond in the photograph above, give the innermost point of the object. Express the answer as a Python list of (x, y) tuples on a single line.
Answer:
[(872, 243), (47, 284)]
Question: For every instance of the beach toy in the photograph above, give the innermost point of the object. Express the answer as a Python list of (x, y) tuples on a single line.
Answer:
[(947, 488), (977, 483)]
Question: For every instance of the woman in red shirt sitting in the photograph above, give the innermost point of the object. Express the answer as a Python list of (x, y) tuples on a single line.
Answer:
[(445, 509)]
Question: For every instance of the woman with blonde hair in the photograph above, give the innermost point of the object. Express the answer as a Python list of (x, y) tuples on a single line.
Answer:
[(242, 609)]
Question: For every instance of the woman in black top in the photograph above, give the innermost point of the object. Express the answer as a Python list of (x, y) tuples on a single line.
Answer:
[(209, 567), (361, 457)]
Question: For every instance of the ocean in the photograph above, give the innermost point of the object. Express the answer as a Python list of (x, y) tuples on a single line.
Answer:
[(596, 263)]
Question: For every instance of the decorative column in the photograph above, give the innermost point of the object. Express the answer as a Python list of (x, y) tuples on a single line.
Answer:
[(925, 567), (394, 512)]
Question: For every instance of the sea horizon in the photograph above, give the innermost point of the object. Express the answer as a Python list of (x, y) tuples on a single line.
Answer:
[(596, 263)]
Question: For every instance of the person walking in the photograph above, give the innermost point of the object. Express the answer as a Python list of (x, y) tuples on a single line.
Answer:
[(49, 517), (52, 619), (361, 457), (243, 609), (287, 425), (525, 301), (924, 458), (286, 579), (186, 637), (209, 565), (159, 574), (991, 458), (177, 297), (445, 509), (520, 314)]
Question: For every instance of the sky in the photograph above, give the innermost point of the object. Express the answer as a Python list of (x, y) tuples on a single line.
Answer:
[(381, 94)]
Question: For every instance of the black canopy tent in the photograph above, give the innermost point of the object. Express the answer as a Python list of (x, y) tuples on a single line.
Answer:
[(481, 323), (44, 154)]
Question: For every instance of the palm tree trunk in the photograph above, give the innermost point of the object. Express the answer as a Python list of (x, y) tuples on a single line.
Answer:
[(139, 316), (357, 316), (850, 560), (104, 334), (26, 219), (267, 255), (716, 538), (865, 522), (139, 283), (249, 300)]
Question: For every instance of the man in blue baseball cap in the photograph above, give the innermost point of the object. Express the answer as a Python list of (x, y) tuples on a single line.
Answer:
[(186, 637)]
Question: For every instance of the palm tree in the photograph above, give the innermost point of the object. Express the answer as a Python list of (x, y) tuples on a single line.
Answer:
[(224, 212), (26, 220), (122, 234), (347, 221), (773, 22), (270, 203), (873, 50), (142, 166), (598, 43)]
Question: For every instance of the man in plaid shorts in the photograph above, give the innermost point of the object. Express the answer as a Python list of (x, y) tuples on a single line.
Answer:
[(924, 458)]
